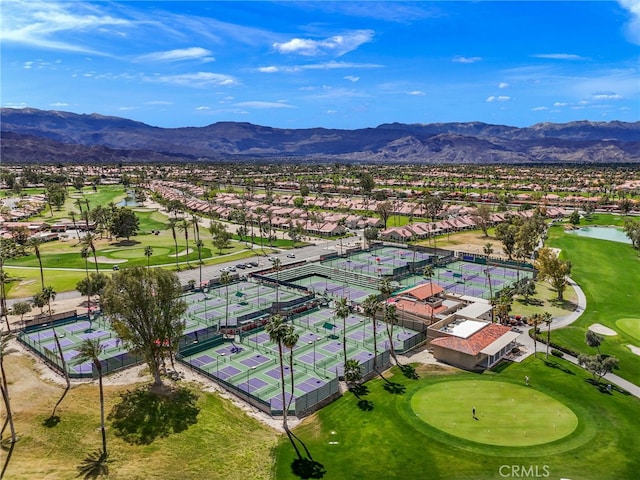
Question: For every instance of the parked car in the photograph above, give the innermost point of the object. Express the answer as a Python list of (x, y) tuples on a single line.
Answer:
[(272, 259), (241, 266), (291, 255), (253, 263)]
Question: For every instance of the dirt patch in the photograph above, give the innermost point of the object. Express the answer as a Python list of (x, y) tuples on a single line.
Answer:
[(182, 253), (602, 330)]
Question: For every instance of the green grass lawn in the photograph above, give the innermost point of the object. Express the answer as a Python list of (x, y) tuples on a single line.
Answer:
[(380, 435), (505, 414), (609, 274), (185, 438)]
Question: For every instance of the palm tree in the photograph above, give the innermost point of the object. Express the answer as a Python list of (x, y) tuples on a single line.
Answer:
[(75, 227), (184, 226), (534, 321), (352, 371), (289, 340), (4, 386), (4, 277), (342, 311), (90, 350), (276, 328), (148, 251), (84, 253), (199, 245), (88, 241), (225, 278), (276, 265), (196, 227), (547, 319), (172, 225), (371, 307), (391, 317), (49, 295), (34, 243)]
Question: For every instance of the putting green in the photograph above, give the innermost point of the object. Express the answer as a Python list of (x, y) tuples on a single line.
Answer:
[(506, 414), (630, 326), (138, 252)]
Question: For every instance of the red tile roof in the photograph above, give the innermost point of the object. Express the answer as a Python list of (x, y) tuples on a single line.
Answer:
[(476, 342), (424, 291)]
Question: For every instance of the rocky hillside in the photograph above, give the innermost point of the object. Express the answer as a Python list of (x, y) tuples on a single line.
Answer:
[(30, 135)]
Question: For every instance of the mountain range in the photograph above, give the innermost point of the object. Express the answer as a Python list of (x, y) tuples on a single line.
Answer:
[(41, 136)]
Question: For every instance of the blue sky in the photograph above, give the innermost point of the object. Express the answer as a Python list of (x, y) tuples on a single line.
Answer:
[(324, 64)]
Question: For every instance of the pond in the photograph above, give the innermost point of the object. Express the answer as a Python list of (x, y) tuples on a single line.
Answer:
[(129, 201), (602, 233)]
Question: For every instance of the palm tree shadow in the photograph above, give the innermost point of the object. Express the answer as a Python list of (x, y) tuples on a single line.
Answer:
[(94, 466), (558, 366), (307, 468), (144, 414), (7, 452), (394, 388)]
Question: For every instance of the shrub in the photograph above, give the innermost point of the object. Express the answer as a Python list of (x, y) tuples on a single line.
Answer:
[(557, 353)]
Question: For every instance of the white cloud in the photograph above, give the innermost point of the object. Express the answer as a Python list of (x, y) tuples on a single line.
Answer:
[(560, 104), (331, 112), (261, 105), (503, 85), (59, 104), (416, 93), (269, 69), (539, 109), (158, 102), (558, 56), (606, 96), (200, 79), (126, 109), (337, 45), (177, 55), (461, 59), (501, 98), (632, 28), (352, 78), (203, 108), (45, 24)]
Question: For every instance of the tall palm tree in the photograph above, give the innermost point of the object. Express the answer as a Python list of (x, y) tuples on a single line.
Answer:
[(75, 226), (199, 245), (184, 226), (289, 340), (49, 295), (534, 321), (371, 307), (34, 243), (88, 241), (547, 319), (276, 328), (4, 277), (225, 278), (148, 251), (342, 311), (196, 227), (4, 385), (391, 318), (90, 350), (172, 225), (84, 253), (276, 265)]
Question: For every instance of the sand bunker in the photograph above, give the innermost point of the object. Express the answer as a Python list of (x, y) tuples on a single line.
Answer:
[(602, 330), (634, 349), (182, 253), (105, 260)]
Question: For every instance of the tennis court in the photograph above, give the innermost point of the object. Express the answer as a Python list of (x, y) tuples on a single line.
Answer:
[(70, 335), (251, 367)]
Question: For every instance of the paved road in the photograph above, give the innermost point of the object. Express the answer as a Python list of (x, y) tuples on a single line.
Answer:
[(560, 322)]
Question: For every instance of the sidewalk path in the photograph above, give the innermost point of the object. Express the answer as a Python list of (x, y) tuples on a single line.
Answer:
[(560, 322)]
